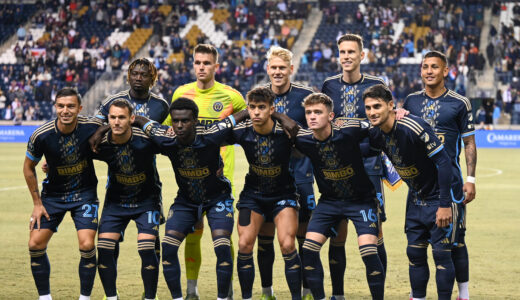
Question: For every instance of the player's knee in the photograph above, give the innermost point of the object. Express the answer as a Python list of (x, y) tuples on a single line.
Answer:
[(287, 245), (86, 244), (417, 254), (35, 244), (246, 244)]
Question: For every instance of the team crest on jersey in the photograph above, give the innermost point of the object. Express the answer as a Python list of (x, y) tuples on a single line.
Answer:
[(430, 111), (218, 106), (349, 98)]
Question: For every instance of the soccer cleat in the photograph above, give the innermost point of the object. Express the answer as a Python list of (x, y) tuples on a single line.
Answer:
[(308, 297), (265, 297), (105, 297), (192, 297)]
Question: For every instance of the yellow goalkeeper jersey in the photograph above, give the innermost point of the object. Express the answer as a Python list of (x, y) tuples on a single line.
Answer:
[(214, 104)]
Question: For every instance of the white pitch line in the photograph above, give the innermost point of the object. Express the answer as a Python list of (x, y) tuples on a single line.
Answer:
[(496, 172), (40, 186)]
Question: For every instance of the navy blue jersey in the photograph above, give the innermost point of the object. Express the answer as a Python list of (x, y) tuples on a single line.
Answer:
[(290, 102), (197, 166), (348, 103), (154, 108), (337, 162), (451, 118), (133, 180), (71, 171), (348, 97), (414, 150), (268, 157)]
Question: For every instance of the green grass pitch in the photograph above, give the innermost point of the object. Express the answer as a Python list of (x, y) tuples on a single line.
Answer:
[(493, 226)]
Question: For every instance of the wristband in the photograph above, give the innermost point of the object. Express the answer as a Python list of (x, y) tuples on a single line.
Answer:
[(470, 179)]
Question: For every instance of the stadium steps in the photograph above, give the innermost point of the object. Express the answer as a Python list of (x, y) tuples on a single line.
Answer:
[(307, 32), (220, 15), (177, 57), (137, 39), (487, 80), (165, 9), (204, 22)]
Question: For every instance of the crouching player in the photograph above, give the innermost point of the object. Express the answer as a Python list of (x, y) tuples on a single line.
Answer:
[(346, 191), (269, 192), (133, 193), (195, 157), (422, 162)]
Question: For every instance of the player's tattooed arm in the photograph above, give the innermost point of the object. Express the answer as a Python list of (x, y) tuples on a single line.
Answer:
[(140, 121), (241, 116), (470, 151), (290, 127), (29, 172), (96, 138)]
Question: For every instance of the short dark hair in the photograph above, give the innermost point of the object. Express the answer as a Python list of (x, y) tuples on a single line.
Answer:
[(261, 94), (145, 62), (318, 98), (378, 91), (122, 103), (185, 104), (206, 48), (438, 54), (68, 91), (353, 38)]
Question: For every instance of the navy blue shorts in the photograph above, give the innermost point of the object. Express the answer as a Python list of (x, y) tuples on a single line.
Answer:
[(268, 209), (115, 219), (460, 228), (420, 225), (329, 213), (183, 216), (84, 213)]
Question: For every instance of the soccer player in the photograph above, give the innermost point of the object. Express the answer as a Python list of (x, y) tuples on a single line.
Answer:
[(346, 90), (70, 186), (450, 115), (422, 162), (346, 191), (269, 192), (288, 101), (216, 101), (141, 76), (195, 157), (133, 193)]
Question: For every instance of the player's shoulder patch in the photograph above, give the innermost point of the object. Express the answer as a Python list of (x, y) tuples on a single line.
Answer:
[(46, 127), (110, 98), (155, 96), (302, 87), (335, 77), (457, 96), (304, 132), (374, 78), (411, 124)]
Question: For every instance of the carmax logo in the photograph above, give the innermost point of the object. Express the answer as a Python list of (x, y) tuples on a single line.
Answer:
[(493, 137)]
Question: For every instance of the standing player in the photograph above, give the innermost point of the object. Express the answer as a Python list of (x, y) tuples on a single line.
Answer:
[(269, 192), (70, 186), (288, 101), (195, 157), (346, 90), (451, 117), (142, 76), (422, 162), (216, 101), (133, 193), (346, 191)]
